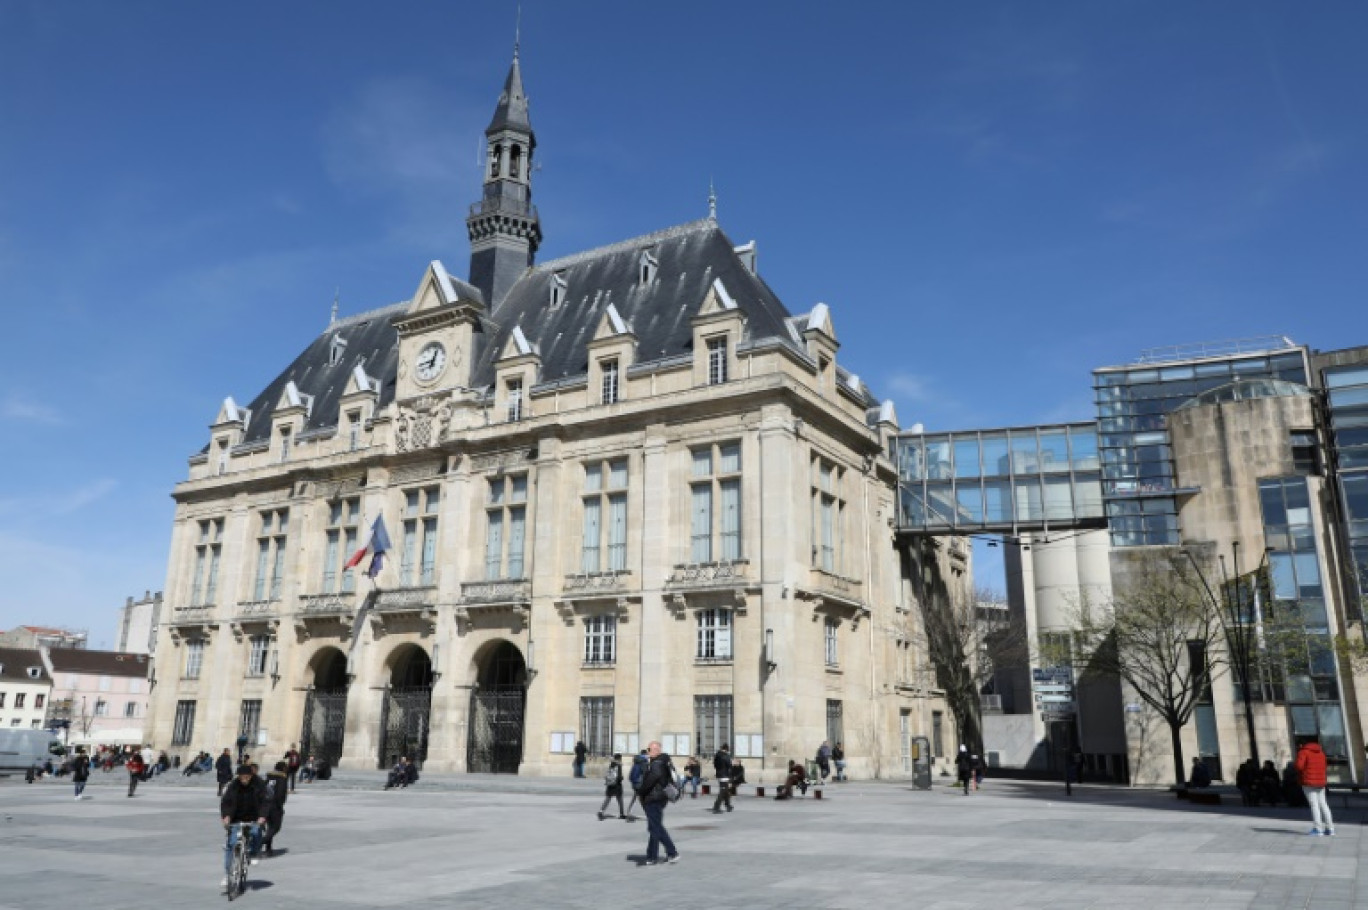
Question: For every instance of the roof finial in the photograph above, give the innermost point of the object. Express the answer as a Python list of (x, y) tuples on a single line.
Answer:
[(712, 200), (517, 33), (336, 295)]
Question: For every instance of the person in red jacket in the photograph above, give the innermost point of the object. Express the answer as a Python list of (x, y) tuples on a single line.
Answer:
[(135, 768), (1311, 770)]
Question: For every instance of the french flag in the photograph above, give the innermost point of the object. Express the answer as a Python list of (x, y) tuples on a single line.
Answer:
[(379, 544)]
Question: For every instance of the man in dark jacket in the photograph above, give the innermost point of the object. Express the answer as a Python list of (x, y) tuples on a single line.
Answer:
[(722, 772), (581, 753), (244, 800), (224, 767), (277, 786), (659, 772)]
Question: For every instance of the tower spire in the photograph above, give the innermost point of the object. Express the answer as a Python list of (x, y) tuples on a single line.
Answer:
[(712, 200), (337, 294), (517, 33)]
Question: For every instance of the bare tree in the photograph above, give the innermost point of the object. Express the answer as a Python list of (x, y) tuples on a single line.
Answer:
[(1160, 634), (967, 638)]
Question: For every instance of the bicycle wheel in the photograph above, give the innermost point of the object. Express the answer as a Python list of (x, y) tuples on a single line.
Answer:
[(237, 875)]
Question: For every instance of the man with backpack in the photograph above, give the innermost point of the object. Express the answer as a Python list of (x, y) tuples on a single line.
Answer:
[(612, 786), (656, 785)]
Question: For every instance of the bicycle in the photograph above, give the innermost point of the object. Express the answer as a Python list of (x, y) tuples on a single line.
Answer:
[(237, 867)]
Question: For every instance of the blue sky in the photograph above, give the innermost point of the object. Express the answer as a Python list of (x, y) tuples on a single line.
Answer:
[(993, 197)]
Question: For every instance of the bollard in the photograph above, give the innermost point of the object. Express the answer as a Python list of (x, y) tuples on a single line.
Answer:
[(707, 789), (816, 792)]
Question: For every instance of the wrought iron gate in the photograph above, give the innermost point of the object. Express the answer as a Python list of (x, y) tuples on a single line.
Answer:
[(325, 724), (494, 741), (404, 721)]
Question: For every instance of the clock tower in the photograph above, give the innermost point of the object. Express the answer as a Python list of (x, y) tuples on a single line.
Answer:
[(436, 335)]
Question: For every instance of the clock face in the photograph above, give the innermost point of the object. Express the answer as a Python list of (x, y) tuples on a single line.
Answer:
[(431, 361)]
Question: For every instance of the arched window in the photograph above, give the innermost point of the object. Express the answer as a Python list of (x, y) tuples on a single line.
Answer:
[(515, 161), (495, 154)]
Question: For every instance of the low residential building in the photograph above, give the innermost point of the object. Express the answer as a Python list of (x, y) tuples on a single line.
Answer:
[(25, 687), (102, 695), (42, 637)]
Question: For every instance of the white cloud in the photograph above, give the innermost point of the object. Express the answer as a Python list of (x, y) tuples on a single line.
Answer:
[(22, 408), (80, 497), (910, 387)]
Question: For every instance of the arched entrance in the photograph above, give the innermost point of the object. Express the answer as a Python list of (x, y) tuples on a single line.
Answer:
[(325, 709), (494, 741), (404, 716)]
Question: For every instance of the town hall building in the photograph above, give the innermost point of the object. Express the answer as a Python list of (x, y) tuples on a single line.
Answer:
[(630, 496)]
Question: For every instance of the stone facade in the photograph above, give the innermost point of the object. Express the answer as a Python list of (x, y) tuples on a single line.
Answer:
[(680, 527)]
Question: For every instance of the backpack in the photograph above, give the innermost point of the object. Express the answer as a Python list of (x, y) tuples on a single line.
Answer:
[(638, 769), (613, 776)]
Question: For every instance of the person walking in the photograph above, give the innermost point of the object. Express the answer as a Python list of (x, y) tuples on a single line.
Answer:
[(277, 786), (1311, 770), (639, 764), (224, 768), (135, 768), (612, 779), (581, 753), (722, 772), (964, 767), (292, 765), (693, 774), (838, 756), (80, 770), (659, 772)]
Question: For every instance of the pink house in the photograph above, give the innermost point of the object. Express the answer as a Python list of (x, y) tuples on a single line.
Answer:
[(103, 694)]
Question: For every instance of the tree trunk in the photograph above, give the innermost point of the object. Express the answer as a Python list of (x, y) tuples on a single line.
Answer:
[(1176, 732)]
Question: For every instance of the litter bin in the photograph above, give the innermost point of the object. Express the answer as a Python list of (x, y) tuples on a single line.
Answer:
[(324, 770)]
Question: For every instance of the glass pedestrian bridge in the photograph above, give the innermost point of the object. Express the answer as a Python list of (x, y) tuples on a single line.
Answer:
[(1000, 481)]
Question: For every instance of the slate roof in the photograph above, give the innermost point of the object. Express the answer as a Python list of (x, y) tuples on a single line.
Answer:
[(688, 258), (371, 341), (511, 112), (14, 664), (103, 663)]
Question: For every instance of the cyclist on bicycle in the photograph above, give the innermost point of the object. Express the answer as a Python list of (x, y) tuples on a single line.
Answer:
[(244, 800)]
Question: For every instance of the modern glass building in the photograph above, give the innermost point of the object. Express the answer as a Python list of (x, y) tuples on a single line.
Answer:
[(1347, 400), (1133, 402)]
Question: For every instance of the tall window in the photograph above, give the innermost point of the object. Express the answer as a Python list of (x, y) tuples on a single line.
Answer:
[(605, 517), (39, 700), (713, 721), (21, 697), (506, 536), (184, 726), (715, 503), (828, 510), (130, 709), (610, 381), (596, 724), (222, 446), (714, 634), (344, 518), (353, 431), (249, 720), (270, 567), (832, 638), (204, 585), (419, 557), (284, 444), (101, 708), (717, 360), (515, 399), (194, 657), (257, 656), (835, 717), (600, 639)]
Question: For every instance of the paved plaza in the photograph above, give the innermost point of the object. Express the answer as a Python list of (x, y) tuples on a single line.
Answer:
[(467, 841)]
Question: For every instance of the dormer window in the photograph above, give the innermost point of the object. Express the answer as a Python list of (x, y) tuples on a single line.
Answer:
[(284, 444), (336, 349), (647, 268), (717, 360), (353, 431), (558, 288), (222, 460), (611, 388), (515, 399), (35, 672)]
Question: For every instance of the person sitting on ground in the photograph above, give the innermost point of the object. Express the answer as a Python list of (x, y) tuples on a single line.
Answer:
[(399, 774), (1199, 777), (308, 772), (1291, 787), (797, 777)]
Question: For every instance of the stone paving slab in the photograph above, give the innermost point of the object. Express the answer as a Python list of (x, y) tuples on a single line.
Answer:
[(487, 841)]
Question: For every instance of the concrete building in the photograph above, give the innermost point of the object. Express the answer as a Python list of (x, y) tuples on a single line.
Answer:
[(25, 686), (630, 496), (101, 696), (42, 637), (138, 624), (1251, 457)]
